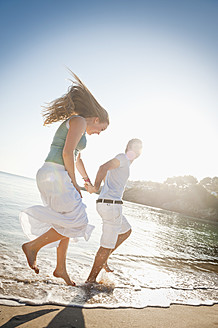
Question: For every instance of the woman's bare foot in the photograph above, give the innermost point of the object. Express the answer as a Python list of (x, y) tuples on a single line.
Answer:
[(31, 256), (64, 275), (106, 267)]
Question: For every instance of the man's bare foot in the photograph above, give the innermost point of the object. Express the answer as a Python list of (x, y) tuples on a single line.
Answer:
[(90, 282), (31, 256), (106, 267), (64, 275)]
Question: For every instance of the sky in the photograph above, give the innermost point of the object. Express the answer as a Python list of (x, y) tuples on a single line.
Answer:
[(151, 64)]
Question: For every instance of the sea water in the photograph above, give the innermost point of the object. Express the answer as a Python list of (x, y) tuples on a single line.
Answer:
[(168, 259)]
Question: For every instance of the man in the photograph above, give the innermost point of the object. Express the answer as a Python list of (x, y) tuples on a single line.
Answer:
[(115, 227)]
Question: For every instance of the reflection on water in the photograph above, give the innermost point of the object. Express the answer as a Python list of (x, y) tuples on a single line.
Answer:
[(168, 258)]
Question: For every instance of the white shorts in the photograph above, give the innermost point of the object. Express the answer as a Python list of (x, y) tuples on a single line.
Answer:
[(114, 223)]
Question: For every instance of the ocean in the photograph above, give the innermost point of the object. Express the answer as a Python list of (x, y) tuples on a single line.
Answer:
[(168, 259)]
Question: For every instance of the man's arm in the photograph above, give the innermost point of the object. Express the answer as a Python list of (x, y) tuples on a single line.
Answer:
[(101, 174)]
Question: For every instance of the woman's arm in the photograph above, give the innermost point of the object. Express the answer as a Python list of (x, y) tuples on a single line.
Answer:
[(81, 168), (77, 126)]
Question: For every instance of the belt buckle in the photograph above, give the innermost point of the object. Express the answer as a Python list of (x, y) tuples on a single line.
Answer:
[(108, 201)]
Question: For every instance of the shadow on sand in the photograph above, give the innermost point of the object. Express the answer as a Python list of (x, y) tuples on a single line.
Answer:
[(69, 317), (24, 318), (72, 317)]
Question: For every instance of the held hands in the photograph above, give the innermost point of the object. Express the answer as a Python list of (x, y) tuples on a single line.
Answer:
[(90, 188), (88, 185)]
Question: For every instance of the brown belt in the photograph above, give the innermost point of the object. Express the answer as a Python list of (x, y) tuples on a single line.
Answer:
[(109, 201)]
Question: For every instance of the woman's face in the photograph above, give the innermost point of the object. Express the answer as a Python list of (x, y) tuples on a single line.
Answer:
[(95, 127)]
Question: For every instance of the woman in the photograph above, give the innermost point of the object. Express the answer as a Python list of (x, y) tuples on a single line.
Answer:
[(63, 215)]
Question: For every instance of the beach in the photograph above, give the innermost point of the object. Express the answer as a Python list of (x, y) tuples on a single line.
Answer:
[(164, 276), (176, 316)]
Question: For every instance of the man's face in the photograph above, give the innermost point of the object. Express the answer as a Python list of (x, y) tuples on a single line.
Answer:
[(134, 151)]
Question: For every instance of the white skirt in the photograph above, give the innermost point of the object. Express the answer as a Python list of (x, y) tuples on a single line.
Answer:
[(63, 208)]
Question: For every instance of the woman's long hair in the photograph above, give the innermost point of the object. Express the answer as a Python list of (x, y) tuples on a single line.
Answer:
[(78, 100)]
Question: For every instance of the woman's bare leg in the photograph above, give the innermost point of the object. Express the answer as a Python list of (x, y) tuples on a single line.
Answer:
[(61, 270), (32, 247)]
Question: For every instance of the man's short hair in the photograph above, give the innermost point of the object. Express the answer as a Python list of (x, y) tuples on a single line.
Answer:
[(134, 145)]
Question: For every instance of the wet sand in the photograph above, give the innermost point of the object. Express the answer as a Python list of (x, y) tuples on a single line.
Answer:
[(176, 316)]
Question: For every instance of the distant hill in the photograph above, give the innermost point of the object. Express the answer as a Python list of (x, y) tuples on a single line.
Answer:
[(183, 194)]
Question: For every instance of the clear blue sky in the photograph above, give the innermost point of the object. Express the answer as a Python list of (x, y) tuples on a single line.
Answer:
[(151, 64)]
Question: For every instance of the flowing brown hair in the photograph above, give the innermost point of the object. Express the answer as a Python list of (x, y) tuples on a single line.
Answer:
[(78, 100)]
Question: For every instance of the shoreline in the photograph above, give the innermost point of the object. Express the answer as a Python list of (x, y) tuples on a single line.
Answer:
[(53, 316), (205, 220), (180, 213)]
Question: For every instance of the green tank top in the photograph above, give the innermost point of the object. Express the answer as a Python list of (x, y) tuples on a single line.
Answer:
[(57, 146)]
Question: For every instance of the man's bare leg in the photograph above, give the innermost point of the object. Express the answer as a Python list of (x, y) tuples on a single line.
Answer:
[(61, 270), (121, 238), (102, 257), (32, 247)]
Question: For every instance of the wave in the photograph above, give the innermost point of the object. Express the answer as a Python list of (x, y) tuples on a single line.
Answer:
[(15, 301), (105, 295)]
